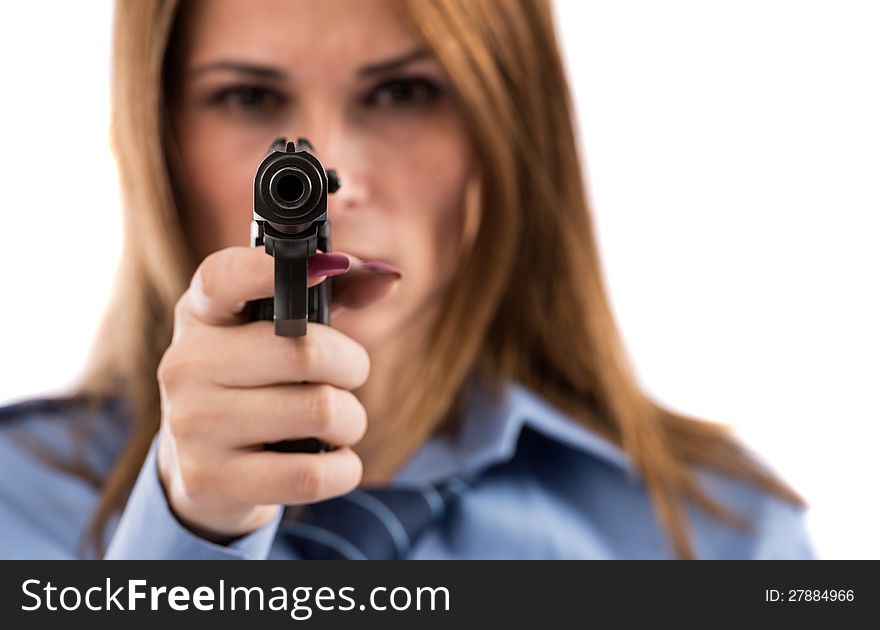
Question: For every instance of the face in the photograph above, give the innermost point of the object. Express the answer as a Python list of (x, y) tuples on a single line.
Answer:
[(353, 78)]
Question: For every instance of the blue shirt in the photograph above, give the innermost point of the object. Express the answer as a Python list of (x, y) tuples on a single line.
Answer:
[(540, 486)]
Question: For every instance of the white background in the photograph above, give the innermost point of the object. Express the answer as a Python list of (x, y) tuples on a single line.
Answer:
[(732, 151)]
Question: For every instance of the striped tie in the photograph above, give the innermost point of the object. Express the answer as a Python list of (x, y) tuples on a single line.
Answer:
[(381, 523)]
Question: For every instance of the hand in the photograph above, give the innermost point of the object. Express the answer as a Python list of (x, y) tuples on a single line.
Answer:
[(229, 386)]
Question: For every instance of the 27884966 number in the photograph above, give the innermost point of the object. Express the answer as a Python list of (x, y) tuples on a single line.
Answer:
[(809, 595)]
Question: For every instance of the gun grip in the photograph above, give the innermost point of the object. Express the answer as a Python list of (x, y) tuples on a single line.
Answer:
[(293, 305)]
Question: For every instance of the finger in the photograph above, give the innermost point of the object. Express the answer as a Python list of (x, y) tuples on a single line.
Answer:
[(228, 278), (250, 417), (252, 355), (267, 477)]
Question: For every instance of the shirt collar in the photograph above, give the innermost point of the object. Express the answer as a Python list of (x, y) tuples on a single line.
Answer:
[(488, 434), (490, 429)]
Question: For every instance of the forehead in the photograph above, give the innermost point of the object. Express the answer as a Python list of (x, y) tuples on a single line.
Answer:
[(334, 35)]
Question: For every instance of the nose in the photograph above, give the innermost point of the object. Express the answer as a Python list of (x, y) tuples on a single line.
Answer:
[(338, 147)]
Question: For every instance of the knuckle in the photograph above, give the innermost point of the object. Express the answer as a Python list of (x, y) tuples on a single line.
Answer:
[(211, 275), (166, 370), (180, 307), (183, 419), (323, 405), (162, 368), (194, 476), (312, 479), (182, 317), (175, 368), (307, 351)]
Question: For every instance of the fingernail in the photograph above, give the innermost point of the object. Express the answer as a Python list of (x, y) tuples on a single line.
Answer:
[(383, 267), (328, 264)]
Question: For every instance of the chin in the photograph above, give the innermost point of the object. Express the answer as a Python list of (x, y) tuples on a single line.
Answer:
[(369, 326)]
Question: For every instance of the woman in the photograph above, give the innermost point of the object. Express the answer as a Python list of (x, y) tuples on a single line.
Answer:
[(472, 359)]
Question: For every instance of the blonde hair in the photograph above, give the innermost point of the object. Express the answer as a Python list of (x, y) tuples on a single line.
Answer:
[(535, 246)]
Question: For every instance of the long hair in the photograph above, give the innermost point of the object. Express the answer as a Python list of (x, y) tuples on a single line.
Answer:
[(527, 301)]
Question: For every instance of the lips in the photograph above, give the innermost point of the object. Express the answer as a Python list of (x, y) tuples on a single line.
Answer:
[(367, 281)]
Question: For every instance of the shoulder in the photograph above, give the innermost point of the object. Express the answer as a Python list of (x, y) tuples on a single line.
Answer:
[(580, 494), (53, 452), (562, 449), (21, 410), (90, 429), (576, 502), (47, 423), (775, 528)]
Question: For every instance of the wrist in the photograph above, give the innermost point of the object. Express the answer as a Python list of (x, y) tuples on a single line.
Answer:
[(201, 520)]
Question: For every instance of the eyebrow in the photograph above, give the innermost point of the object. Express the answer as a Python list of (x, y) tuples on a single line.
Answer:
[(262, 72), (276, 74), (393, 64)]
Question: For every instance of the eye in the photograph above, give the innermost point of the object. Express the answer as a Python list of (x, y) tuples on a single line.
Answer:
[(404, 92), (248, 99)]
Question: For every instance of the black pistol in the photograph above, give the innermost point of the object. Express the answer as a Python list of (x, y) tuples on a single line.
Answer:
[(290, 221)]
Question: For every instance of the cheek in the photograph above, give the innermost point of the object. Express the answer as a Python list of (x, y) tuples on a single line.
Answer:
[(218, 180), (432, 184)]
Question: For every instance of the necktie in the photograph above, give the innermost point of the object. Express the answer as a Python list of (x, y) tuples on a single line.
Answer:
[(370, 523)]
